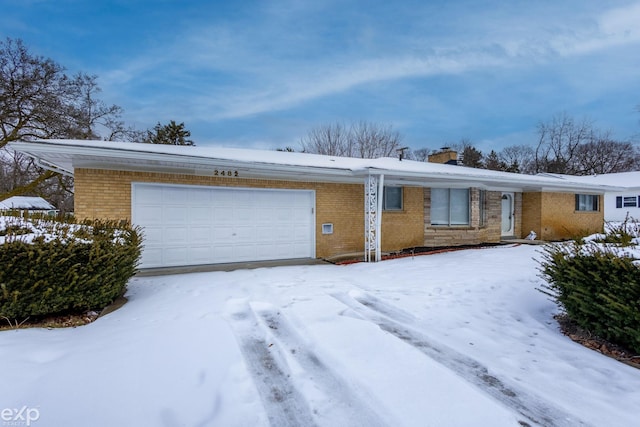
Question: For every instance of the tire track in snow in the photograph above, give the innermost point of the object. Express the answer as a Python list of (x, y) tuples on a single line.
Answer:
[(335, 402), (404, 326), (283, 403)]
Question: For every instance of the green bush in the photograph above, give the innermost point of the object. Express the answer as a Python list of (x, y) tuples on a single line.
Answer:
[(63, 267), (598, 286)]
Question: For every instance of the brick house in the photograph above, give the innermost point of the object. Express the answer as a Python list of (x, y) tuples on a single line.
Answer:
[(618, 204), (203, 205)]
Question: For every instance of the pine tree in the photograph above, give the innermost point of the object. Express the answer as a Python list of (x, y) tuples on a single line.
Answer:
[(170, 134)]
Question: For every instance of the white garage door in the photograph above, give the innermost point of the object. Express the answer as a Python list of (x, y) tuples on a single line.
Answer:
[(189, 225)]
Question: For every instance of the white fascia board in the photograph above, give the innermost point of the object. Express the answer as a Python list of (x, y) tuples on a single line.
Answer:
[(82, 156), (515, 182), (67, 157)]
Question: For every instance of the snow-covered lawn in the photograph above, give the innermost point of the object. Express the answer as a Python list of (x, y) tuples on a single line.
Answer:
[(453, 339)]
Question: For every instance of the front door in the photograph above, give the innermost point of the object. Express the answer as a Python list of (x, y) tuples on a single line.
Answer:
[(507, 214)]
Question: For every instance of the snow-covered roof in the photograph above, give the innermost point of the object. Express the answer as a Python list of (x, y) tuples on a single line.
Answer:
[(67, 155), (25, 202), (629, 180)]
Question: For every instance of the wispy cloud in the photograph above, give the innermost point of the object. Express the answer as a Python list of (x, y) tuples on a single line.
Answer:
[(283, 59), (289, 87)]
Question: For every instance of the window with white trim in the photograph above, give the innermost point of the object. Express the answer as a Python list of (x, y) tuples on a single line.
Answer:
[(587, 202), (450, 206), (627, 201), (392, 198)]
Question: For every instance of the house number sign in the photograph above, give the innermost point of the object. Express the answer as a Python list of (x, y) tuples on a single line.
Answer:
[(218, 172)]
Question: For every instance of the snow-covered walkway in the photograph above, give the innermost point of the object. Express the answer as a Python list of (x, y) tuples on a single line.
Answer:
[(453, 339)]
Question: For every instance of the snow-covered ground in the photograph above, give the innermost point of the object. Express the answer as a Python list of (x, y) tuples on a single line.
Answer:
[(452, 339)]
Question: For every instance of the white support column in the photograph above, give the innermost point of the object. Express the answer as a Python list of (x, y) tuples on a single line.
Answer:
[(370, 216), (373, 191), (379, 218)]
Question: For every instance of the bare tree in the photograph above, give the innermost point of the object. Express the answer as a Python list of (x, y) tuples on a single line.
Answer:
[(420, 155), (371, 140), (518, 158), (38, 101), (558, 143), (88, 113), (604, 155), (331, 140), (578, 148), (363, 139)]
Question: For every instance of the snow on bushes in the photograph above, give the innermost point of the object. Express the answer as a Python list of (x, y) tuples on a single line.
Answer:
[(597, 282), (51, 267)]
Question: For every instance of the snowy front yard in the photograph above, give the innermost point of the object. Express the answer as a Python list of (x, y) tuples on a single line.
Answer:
[(454, 339)]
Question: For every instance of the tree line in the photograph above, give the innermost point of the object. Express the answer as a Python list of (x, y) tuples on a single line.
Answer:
[(564, 146)]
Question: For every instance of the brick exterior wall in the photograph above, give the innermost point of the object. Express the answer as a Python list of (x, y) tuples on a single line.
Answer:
[(404, 229), (475, 232), (553, 216), (520, 231), (107, 194)]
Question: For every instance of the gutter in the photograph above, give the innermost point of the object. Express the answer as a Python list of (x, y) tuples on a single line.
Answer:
[(105, 157), (50, 166)]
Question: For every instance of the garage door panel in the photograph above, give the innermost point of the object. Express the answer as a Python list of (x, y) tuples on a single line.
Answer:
[(199, 234), (244, 214), (175, 235), (244, 234), (174, 195), (199, 215), (263, 233), (174, 214), (187, 225), (151, 257), (283, 214), (222, 235), (222, 252), (200, 254), (152, 235), (199, 197), (300, 233), (150, 195), (222, 215), (300, 214), (268, 252), (175, 256), (150, 214), (244, 251)]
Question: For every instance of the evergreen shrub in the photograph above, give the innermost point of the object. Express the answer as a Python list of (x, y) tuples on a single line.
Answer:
[(598, 286), (52, 267)]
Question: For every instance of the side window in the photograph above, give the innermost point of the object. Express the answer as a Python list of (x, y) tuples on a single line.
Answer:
[(627, 201), (587, 202), (392, 199), (630, 202)]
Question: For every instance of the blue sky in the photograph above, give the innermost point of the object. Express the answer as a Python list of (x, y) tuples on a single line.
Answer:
[(263, 73)]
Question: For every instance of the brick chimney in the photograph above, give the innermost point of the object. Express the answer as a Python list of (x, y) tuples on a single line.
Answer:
[(446, 155)]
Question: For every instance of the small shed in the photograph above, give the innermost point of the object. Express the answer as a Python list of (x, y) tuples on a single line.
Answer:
[(28, 204)]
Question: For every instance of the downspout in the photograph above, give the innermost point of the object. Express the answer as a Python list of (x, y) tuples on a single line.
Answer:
[(379, 217)]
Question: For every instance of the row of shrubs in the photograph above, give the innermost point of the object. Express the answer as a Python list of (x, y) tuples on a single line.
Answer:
[(58, 266), (597, 283)]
